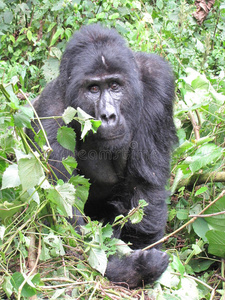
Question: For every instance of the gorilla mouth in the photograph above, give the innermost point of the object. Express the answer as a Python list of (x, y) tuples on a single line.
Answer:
[(112, 137)]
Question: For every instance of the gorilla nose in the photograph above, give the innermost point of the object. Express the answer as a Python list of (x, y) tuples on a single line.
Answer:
[(108, 119)]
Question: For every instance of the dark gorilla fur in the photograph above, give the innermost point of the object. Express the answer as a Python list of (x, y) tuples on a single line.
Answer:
[(128, 159)]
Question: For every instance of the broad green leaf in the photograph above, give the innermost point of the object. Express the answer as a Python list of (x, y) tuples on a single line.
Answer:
[(200, 227), (50, 27), (69, 114), (27, 291), (39, 138), (83, 115), (11, 177), (70, 164), (55, 52), (217, 222), (87, 122), (55, 243), (200, 46), (216, 242), (7, 286), (100, 15), (182, 214), (22, 120), (64, 198), (114, 16), (123, 248), (168, 279), (29, 35), (50, 68), (82, 186), (200, 264), (55, 37), (98, 259), (202, 190), (67, 138), (30, 171), (8, 16), (86, 128), (159, 4), (107, 231), (201, 82), (137, 216), (177, 265), (45, 255), (95, 124), (206, 154), (179, 175)]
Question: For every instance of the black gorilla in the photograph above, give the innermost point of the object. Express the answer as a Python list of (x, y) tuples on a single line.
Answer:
[(128, 159)]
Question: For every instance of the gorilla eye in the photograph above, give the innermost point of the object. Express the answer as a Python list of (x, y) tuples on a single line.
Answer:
[(94, 89), (114, 86)]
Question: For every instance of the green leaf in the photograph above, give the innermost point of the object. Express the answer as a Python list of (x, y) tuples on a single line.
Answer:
[(67, 138), (182, 214), (55, 243), (69, 114), (87, 122), (8, 17), (159, 4), (55, 37), (177, 265), (95, 124), (50, 27), (29, 35), (40, 139), (202, 190), (98, 259), (100, 15), (7, 286), (137, 216), (216, 242), (27, 291), (83, 115), (114, 16), (50, 68), (82, 186), (22, 120), (64, 197), (200, 264), (70, 164), (11, 177), (206, 154), (86, 128), (30, 171), (200, 227), (217, 222)]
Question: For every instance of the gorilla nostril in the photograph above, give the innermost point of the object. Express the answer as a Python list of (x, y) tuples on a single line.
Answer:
[(112, 118), (104, 117), (108, 119)]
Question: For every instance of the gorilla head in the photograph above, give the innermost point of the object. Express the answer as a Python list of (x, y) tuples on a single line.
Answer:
[(132, 94), (98, 78)]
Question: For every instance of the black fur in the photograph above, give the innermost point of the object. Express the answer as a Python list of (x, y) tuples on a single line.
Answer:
[(129, 157)]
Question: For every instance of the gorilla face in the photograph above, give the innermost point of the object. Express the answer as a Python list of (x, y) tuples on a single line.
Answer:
[(107, 97)]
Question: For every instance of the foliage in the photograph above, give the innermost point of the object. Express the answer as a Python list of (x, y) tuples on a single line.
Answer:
[(34, 204)]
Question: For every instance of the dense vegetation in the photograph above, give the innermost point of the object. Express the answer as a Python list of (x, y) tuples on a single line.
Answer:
[(41, 255)]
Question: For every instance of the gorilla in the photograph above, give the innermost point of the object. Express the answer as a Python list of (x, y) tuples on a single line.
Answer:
[(132, 94)]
